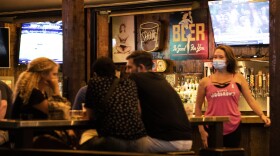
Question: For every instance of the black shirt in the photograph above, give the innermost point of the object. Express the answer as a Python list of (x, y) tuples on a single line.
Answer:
[(27, 111), (163, 113), (120, 116)]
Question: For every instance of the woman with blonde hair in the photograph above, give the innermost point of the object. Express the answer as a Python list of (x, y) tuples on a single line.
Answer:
[(30, 98)]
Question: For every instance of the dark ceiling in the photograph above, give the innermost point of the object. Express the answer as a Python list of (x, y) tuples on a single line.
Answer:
[(12, 7)]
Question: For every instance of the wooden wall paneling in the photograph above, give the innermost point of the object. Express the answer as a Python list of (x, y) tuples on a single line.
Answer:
[(274, 70), (189, 66), (249, 51), (255, 139), (73, 47), (102, 35), (258, 140), (245, 139), (88, 43)]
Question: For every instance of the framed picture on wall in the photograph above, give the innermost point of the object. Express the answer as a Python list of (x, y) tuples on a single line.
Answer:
[(9, 80), (4, 47), (123, 37)]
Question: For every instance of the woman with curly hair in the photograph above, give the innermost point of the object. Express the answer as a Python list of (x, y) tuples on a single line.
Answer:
[(31, 101), (30, 98)]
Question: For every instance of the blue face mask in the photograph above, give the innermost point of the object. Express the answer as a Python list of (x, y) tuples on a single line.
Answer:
[(219, 64)]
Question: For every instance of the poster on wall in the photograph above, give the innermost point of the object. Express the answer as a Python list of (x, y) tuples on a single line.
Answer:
[(189, 35), (150, 36), (123, 37)]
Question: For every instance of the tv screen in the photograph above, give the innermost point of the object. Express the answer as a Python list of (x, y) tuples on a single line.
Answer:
[(240, 22), (41, 39), (4, 48)]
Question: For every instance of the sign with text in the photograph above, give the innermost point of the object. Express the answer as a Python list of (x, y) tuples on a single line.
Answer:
[(189, 35), (150, 36)]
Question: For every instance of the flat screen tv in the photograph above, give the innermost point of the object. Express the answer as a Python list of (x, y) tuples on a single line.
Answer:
[(41, 39), (240, 22), (4, 48)]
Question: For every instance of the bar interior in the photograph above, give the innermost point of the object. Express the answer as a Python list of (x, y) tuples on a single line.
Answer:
[(76, 33)]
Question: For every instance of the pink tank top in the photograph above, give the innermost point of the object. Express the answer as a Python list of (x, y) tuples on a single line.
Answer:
[(224, 102)]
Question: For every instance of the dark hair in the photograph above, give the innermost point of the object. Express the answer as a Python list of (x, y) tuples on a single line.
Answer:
[(104, 66), (231, 60), (141, 57)]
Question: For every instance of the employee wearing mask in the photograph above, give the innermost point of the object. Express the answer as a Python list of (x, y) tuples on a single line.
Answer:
[(222, 91)]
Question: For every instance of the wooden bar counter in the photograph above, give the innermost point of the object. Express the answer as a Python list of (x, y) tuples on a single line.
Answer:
[(251, 119), (23, 130), (26, 128), (255, 136), (217, 126)]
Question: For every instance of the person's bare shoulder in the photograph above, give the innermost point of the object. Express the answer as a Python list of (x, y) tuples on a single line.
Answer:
[(204, 81), (239, 78)]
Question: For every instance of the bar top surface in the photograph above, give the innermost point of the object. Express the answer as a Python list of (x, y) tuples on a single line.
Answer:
[(41, 123), (76, 123)]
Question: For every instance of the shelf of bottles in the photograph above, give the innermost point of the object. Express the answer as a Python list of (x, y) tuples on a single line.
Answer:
[(257, 76), (186, 85), (258, 81)]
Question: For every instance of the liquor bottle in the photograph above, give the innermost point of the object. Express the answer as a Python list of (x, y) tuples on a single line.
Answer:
[(267, 82), (267, 98), (264, 84), (252, 79), (260, 79), (256, 84), (245, 72)]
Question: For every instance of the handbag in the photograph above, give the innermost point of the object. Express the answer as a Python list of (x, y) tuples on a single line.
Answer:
[(58, 108)]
